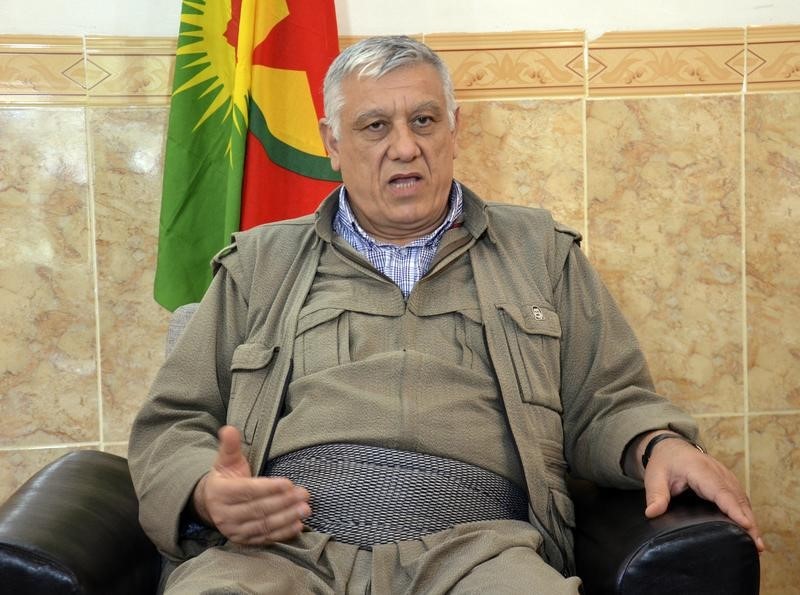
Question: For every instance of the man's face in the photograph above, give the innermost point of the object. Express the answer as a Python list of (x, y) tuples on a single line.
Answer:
[(395, 152)]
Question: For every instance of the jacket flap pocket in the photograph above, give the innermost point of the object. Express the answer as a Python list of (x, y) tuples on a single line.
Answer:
[(564, 507), (316, 318), (534, 319), (252, 356)]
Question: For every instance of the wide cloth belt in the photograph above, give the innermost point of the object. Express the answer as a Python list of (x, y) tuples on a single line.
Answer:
[(368, 495)]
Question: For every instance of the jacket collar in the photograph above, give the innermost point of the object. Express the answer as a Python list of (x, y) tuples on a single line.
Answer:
[(475, 219)]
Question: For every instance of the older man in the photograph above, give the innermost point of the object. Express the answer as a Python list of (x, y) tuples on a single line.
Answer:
[(386, 396)]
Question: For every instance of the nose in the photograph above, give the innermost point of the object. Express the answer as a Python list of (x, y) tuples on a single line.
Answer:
[(403, 145)]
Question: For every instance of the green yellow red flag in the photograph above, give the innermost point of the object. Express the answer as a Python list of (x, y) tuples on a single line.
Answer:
[(243, 146)]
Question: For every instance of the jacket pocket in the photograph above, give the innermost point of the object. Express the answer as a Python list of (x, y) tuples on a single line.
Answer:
[(562, 519), (250, 368), (322, 341), (533, 335), (560, 509)]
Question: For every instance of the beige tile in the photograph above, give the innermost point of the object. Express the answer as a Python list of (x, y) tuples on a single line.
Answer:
[(664, 230), (128, 146), (48, 388), (775, 493), (525, 152), (773, 250), (17, 466)]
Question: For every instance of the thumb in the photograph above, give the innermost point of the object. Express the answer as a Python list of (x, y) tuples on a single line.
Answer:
[(230, 458), (657, 493)]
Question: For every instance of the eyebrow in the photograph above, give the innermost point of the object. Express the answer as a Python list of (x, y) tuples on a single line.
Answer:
[(364, 118), (426, 106)]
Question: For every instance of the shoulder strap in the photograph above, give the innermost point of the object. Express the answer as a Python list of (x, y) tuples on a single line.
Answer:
[(275, 270), (536, 271)]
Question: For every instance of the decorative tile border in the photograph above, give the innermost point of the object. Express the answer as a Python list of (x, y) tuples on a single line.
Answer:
[(513, 64), (667, 62), (94, 70), (773, 58), (37, 69), (138, 71), (122, 70)]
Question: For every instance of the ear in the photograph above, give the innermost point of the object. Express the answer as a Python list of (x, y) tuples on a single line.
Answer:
[(331, 143)]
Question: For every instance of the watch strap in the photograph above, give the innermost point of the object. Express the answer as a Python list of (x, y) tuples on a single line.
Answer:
[(648, 450)]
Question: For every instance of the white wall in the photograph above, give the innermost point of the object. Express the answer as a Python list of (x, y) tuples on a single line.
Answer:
[(360, 17)]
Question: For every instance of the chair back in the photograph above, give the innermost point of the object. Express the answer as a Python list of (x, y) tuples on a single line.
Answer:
[(180, 318)]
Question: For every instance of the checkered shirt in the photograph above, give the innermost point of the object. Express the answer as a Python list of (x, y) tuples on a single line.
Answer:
[(405, 265)]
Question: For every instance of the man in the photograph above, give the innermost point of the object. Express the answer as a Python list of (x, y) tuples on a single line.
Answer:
[(386, 396)]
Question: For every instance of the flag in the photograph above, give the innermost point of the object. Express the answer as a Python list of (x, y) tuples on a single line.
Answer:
[(243, 146)]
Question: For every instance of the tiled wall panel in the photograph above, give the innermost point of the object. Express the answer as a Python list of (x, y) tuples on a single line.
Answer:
[(775, 494), (664, 190), (128, 162), (675, 153), (772, 158), (48, 387), (537, 145)]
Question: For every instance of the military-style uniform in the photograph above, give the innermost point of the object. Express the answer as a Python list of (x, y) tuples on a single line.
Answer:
[(509, 354)]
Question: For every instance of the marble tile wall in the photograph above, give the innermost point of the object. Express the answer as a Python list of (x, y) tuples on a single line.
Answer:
[(676, 154)]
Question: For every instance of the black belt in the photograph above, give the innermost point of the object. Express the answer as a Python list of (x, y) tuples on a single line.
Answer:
[(368, 495)]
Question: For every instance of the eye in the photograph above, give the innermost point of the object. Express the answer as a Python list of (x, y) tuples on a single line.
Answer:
[(376, 126), (423, 121)]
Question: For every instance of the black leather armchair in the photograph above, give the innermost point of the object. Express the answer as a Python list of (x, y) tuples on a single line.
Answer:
[(74, 528)]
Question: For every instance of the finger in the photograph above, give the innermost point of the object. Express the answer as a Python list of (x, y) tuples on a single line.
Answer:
[(282, 512), (255, 497), (279, 486), (293, 499), (282, 520), (243, 524), (735, 504), (657, 492), (726, 493), (256, 534), (230, 446), (230, 459), (737, 509), (745, 518), (280, 525), (280, 492), (285, 533)]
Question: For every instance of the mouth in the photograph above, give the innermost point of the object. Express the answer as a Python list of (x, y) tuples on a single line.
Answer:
[(404, 181)]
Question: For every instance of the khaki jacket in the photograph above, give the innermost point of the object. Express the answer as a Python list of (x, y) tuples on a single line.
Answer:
[(574, 382)]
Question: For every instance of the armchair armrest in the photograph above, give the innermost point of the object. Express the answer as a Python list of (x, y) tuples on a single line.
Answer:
[(74, 528), (692, 549)]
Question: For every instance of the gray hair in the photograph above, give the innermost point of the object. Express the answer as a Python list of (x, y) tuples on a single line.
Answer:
[(374, 57)]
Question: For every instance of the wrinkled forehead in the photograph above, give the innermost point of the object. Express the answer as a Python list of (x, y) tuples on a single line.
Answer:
[(414, 86), (419, 75)]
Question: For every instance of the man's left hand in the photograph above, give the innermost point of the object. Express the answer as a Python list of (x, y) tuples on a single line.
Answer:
[(675, 465)]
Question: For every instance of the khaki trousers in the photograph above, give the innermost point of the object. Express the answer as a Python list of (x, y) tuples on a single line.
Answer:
[(497, 557)]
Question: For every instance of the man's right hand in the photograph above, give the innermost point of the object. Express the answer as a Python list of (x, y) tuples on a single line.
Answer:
[(245, 509)]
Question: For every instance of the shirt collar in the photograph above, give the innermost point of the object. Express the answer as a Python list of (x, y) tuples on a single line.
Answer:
[(345, 219)]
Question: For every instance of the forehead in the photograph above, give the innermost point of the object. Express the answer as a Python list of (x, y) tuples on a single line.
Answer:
[(404, 87)]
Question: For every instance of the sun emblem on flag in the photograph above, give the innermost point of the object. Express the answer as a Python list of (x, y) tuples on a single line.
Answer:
[(215, 49)]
